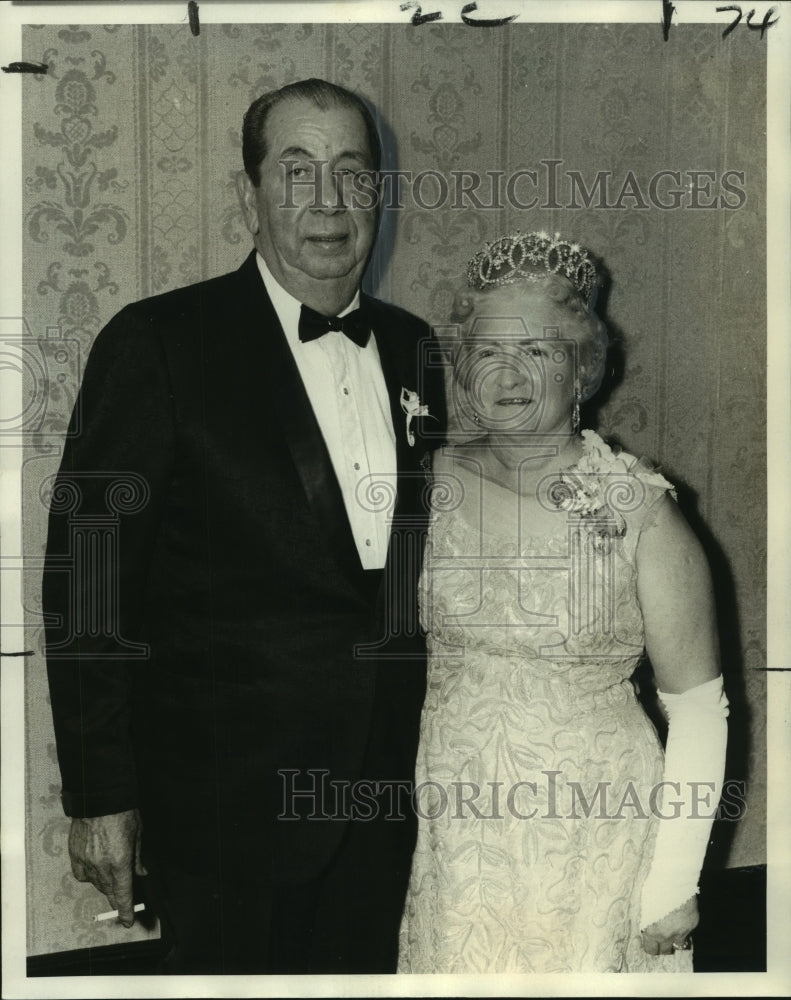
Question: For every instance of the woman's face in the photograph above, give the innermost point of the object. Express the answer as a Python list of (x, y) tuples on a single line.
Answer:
[(517, 367)]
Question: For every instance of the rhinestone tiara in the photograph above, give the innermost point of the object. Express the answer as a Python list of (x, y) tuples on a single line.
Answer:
[(514, 258)]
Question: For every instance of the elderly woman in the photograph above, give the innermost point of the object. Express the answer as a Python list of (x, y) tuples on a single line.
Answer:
[(555, 835)]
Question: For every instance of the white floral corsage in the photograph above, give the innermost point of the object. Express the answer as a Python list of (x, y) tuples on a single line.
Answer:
[(580, 497), (412, 407), (585, 495)]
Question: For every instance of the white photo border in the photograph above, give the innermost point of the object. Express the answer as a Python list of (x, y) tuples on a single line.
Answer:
[(777, 980)]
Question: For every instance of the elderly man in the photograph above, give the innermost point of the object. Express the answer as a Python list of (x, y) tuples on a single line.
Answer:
[(245, 730)]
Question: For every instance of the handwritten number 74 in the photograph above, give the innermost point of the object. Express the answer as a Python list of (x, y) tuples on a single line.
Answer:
[(766, 23)]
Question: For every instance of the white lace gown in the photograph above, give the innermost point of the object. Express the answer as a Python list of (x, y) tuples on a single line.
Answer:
[(536, 762)]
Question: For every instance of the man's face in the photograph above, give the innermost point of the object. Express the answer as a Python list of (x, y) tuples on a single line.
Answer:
[(308, 232)]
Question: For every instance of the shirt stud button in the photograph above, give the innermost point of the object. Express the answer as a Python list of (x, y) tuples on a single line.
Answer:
[(357, 465)]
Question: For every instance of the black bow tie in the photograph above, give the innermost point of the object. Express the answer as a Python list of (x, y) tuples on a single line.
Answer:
[(313, 325)]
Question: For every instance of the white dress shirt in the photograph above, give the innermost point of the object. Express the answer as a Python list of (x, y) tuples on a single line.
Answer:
[(347, 390)]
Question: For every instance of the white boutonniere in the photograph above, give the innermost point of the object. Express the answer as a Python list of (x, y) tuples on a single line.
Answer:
[(412, 407)]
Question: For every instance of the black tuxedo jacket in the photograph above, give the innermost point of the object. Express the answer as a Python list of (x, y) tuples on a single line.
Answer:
[(209, 621)]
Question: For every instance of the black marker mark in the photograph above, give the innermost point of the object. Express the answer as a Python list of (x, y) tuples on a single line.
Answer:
[(192, 11), (766, 23), (493, 22), (26, 67), (729, 29), (25, 652), (766, 670), (419, 17), (668, 10)]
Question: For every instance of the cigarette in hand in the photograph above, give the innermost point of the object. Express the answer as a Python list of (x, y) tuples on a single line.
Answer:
[(114, 913)]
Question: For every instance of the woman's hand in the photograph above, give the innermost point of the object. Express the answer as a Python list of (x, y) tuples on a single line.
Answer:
[(671, 933)]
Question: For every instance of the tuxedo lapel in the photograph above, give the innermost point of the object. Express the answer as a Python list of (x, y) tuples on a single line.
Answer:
[(396, 378), (301, 431), (397, 598)]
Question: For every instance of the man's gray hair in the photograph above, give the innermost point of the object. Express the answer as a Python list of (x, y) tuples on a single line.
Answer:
[(324, 95)]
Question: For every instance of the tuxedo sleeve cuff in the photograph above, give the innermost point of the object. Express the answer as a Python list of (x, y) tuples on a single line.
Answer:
[(85, 805)]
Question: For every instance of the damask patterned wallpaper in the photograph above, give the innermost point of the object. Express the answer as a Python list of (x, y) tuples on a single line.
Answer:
[(130, 145)]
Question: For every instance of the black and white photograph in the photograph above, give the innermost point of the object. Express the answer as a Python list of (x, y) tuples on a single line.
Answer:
[(394, 453)]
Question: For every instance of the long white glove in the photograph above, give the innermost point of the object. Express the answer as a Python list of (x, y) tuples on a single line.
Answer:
[(695, 765)]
